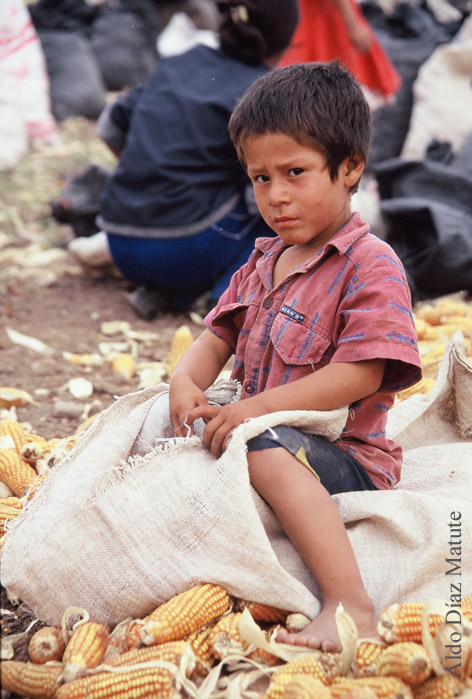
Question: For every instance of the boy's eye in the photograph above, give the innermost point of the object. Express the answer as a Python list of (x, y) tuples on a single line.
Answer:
[(260, 178), (295, 171)]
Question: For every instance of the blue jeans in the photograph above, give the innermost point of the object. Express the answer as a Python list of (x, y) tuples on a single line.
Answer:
[(185, 268)]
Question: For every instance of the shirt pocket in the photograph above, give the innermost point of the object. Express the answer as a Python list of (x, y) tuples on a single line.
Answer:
[(297, 344)]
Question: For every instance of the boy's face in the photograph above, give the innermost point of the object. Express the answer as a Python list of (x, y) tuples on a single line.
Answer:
[(294, 192)]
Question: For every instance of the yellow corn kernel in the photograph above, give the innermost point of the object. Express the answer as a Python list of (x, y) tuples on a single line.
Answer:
[(224, 637), (408, 661), (302, 687), (13, 429), (263, 612), (307, 665), (46, 644), (444, 687), (142, 683), (85, 649), (181, 341), (402, 622), (16, 473), (367, 658), (30, 680), (383, 687), (185, 613), (171, 652)]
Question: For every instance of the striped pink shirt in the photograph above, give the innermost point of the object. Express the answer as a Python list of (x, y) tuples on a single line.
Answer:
[(349, 302)]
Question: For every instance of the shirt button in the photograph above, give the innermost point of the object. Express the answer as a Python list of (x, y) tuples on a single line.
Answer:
[(267, 303), (250, 388)]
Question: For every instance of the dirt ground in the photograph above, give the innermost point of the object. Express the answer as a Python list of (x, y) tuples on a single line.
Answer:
[(48, 296)]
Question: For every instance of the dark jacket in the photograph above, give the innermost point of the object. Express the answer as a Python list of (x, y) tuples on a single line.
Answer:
[(178, 172)]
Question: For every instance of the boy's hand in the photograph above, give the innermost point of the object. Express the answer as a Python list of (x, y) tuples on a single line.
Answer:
[(221, 421), (184, 396)]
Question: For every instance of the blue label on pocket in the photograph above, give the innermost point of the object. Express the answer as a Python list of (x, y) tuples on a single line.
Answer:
[(292, 314)]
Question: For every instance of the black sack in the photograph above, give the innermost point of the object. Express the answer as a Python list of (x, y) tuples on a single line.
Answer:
[(434, 242), (78, 203)]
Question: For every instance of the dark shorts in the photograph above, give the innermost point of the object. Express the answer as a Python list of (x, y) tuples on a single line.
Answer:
[(337, 470)]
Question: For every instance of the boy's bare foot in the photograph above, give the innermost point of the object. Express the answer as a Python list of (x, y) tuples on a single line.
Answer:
[(322, 632)]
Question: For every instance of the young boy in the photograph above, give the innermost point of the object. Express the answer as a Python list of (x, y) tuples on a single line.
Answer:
[(318, 318)]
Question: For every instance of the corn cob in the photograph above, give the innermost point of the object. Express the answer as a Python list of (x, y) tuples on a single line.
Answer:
[(85, 649), (16, 473), (171, 652), (13, 429), (118, 640), (8, 512), (408, 661), (402, 622), (32, 452), (306, 665), (384, 687), (263, 612), (202, 649), (181, 341), (296, 622), (265, 657), (134, 633), (185, 613), (46, 644), (367, 658), (359, 693), (303, 687), (424, 386), (444, 687), (142, 683), (224, 636), (124, 365), (30, 680), (11, 502)]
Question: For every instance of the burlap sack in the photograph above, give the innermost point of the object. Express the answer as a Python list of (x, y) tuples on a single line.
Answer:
[(133, 517)]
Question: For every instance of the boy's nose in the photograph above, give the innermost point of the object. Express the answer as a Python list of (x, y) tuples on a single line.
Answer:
[(278, 193)]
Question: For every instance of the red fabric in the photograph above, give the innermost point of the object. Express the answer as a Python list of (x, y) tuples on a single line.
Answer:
[(322, 36)]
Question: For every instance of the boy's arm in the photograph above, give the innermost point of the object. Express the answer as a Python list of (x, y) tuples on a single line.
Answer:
[(334, 386), (198, 368)]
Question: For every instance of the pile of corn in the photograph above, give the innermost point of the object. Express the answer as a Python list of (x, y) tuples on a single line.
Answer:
[(170, 652), (174, 650), (435, 324)]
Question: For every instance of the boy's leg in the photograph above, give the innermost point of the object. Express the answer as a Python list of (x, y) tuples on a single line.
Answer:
[(311, 520)]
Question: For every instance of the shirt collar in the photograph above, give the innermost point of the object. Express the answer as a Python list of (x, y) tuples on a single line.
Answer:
[(354, 229)]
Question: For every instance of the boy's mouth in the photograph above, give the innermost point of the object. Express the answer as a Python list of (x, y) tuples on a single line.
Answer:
[(284, 221)]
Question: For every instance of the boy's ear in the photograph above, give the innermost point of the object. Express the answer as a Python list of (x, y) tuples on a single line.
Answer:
[(352, 169)]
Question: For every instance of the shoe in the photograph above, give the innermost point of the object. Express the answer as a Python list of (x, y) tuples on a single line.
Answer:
[(147, 302), (92, 251)]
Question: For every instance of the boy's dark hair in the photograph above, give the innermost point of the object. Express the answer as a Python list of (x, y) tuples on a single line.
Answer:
[(317, 104), (253, 30)]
